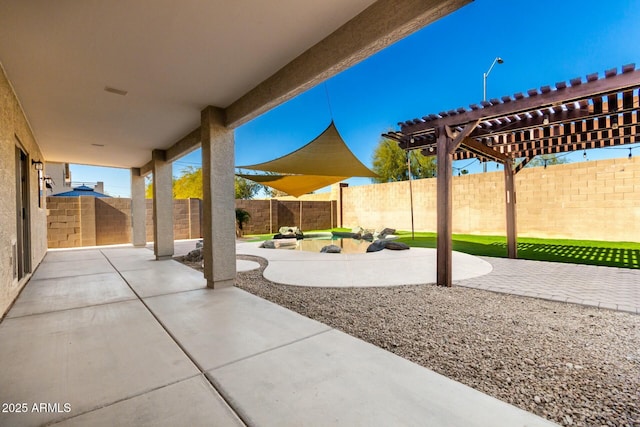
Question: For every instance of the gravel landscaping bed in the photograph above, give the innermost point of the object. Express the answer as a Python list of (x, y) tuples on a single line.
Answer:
[(571, 364)]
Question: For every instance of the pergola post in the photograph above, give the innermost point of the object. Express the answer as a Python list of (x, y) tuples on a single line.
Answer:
[(445, 207), (138, 209), (510, 199), (219, 230), (162, 206)]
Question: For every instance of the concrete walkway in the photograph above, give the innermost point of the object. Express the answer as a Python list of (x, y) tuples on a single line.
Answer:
[(112, 337), (384, 268), (603, 287)]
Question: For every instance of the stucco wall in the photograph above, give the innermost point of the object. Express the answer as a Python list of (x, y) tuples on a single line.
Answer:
[(597, 200), (14, 130)]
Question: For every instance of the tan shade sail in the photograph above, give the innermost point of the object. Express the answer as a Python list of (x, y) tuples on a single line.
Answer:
[(295, 185), (327, 155)]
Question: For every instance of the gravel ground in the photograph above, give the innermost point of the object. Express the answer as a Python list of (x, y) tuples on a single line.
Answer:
[(573, 365)]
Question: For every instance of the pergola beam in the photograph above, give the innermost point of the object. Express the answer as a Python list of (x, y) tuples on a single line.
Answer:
[(479, 148), (564, 94)]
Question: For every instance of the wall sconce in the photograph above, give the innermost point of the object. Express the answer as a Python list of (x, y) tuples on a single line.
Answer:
[(38, 165)]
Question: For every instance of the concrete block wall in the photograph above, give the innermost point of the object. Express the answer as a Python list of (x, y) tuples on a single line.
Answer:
[(187, 219), (267, 216), (597, 200), (63, 222), (90, 221), (112, 221), (262, 219)]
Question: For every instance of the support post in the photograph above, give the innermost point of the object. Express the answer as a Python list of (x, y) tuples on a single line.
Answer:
[(138, 209), (219, 230), (510, 198), (162, 206), (444, 210)]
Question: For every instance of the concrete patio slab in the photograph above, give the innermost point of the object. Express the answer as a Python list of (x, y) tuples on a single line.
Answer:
[(348, 382), (218, 327), (192, 402), (76, 255), (87, 357), (50, 270), (63, 293), (384, 268), (143, 260), (164, 277)]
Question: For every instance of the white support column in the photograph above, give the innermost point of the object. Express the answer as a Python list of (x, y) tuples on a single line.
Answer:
[(138, 209), (219, 219), (162, 206)]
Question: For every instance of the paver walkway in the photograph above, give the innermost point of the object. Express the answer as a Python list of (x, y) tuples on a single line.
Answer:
[(604, 287)]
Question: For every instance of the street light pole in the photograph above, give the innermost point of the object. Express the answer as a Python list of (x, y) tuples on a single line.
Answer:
[(485, 75), (484, 91)]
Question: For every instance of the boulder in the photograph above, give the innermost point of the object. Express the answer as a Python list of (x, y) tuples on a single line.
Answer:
[(376, 246), (331, 249), (395, 246), (367, 236), (268, 244), (385, 232), (194, 255)]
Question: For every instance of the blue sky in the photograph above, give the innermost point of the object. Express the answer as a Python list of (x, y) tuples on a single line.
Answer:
[(436, 69)]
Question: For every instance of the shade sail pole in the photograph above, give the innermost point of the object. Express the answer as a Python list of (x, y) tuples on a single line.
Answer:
[(444, 210), (410, 194)]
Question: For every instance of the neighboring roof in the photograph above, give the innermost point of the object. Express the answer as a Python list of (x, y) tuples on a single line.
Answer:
[(323, 161), (602, 111), (295, 185), (82, 190)]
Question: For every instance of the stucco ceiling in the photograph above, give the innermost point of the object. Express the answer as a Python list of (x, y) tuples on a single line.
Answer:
[(173, 58)]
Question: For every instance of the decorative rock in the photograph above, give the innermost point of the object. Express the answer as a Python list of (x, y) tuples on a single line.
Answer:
[(268, 244), (194, 255), (331, 249), (199, 244), (537, 399), (395, 246), (385, 232), (376, 246), (367, 236)]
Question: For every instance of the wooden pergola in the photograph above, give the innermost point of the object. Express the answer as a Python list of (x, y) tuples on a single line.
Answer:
[(596, 113)]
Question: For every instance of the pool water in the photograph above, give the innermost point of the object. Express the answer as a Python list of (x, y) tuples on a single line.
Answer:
[(348, 245)]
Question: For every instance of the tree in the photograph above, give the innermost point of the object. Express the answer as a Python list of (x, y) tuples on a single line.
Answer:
[(189, 185), (547, 160), (246, 189), (390, 163), (242, 217)]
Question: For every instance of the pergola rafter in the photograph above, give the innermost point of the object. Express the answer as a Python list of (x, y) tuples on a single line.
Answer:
[(579, 115)]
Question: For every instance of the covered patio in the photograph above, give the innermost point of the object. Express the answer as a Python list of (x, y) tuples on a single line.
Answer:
[(110, 336)]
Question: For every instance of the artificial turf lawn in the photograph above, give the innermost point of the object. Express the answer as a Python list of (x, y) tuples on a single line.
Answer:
[(611, 254)]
